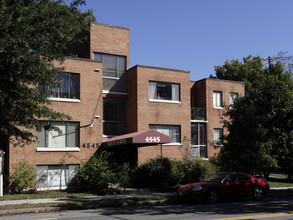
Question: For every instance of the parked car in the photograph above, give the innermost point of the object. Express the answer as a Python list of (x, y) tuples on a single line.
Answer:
[(227, 185)]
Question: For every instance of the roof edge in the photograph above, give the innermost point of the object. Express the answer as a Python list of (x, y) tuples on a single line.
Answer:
[(160, 68)]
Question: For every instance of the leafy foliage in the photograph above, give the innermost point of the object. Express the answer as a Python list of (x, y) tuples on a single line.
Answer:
[(33, 33), (95, 175), (23, 177), (153, 173), (171, 173), (260, 124)]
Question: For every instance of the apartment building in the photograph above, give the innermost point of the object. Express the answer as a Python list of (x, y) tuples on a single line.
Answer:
[(138, 112)]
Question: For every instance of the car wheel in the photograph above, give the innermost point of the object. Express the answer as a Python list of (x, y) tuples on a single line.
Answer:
[(213, 196), (258, 193)]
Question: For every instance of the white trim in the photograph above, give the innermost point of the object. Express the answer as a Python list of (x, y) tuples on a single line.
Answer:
[(116, 93), (172, 144), (63, 100), (218, 108), (199, 121), (58, 149), (111, 77), (51, 188), (164, 101)]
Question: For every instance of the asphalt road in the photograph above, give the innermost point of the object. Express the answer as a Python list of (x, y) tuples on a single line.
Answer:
[(270, 209)]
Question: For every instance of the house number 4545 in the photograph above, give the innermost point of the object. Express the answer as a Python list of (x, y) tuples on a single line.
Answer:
[(152, 139)]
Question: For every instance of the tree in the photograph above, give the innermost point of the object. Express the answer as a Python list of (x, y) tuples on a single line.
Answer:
[(33, 34), (260, 124)]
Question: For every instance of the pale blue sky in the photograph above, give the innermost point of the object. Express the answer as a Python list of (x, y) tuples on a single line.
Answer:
[(197, 35)]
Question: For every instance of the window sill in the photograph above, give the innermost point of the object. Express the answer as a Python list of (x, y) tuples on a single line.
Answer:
[(164, 101), (58, 149), (64, 100), (218, 108), (218, 145), (199, 121), (172, 144)]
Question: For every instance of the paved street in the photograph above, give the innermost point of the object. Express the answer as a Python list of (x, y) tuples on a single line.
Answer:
[(270, 209)]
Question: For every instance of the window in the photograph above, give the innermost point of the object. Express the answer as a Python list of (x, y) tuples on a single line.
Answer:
[(217, 99), (233, 98), (55, 177), (66, 137), (114, 116), (198, 140), (171, 130), (114, 68), (164, 91), (69, 87), (218, 136)]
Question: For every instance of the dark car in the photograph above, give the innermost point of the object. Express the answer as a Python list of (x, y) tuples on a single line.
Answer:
[(228, 185)]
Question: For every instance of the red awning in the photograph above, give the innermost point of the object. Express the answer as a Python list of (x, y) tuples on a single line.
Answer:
[(148, 137)]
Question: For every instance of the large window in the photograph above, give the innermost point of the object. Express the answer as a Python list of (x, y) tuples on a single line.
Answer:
[(198, 140), (69, 87), (66, 136), (217, 99), (164, 91), (171, 130), (114, 116), (218, 137), (55, 177), (114, 67)]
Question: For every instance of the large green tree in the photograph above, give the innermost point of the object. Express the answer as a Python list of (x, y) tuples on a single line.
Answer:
[(260, 124), (33, 33)]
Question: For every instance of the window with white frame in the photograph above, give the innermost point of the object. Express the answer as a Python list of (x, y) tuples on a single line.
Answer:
[(173, 131), (218, 137), (217, 99), (55, 176), (65, 135), (233, 97), (198, 140), (114, 69), (69, 87), (164, 91)]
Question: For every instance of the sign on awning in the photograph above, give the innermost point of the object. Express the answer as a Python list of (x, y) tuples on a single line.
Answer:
[(148, 137)]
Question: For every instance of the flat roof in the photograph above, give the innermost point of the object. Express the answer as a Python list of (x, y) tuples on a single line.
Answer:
[(222, 80), (109, 25), (160, 68)]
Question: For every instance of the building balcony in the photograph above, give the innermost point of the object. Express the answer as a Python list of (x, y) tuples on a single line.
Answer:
[(198, 113)]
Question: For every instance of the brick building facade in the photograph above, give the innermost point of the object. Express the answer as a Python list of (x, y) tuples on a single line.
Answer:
[(107, 99)]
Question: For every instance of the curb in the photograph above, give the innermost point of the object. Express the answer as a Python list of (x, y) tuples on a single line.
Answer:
[(114, 204)]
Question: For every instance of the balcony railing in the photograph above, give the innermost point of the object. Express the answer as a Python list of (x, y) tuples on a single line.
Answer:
[(198, 113)]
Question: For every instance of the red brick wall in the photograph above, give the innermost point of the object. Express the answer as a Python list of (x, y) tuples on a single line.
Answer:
[(90, 87), (149, 112), (132, 90), (213, 115), (109, 39)]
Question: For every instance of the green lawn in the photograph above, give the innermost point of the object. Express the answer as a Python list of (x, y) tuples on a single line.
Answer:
[(280, 181)]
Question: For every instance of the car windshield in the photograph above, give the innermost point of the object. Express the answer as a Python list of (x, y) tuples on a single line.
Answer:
[(214, 178)]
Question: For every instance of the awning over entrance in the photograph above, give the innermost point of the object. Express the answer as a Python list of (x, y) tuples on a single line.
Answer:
[(148, 137)]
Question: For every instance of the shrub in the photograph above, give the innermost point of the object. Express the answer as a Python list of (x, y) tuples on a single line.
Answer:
[(95, 175), (154, 173), (23, 177), (177, 173), (123, 176), (197, 169)]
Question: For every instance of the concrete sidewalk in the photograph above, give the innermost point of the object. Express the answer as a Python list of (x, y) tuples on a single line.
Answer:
[(87, 198), (106, 201)]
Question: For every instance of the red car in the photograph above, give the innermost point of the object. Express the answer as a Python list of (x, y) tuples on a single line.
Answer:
[(225, 186)]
